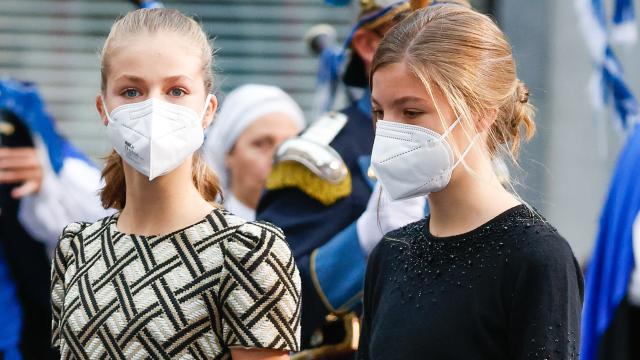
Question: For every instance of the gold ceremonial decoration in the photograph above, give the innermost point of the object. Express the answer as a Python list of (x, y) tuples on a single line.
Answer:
[(370, 6), (419, 4), (347, 346), (6, 128)]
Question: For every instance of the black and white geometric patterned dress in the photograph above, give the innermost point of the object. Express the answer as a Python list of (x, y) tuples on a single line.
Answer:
[(192, 294)]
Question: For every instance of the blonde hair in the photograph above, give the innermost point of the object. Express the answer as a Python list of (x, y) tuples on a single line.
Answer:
[(150, 21), (466, 56)]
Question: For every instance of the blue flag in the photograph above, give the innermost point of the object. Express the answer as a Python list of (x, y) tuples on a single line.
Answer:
[(609, 272)]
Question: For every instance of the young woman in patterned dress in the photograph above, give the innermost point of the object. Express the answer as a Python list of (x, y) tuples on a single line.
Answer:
[(171, 275)]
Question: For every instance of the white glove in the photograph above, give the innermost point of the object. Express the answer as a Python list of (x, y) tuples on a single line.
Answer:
[(383, 215)]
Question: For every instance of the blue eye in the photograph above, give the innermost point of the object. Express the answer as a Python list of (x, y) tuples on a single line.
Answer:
[(131, 93), (177, 92)]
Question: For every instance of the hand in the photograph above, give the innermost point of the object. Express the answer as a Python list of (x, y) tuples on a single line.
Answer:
[(383, 215), (240, 353), (21, 165)]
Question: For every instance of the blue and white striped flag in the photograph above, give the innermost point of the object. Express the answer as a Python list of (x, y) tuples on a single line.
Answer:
[(612, 263), (148, 4), (624, 22), (607, 85)]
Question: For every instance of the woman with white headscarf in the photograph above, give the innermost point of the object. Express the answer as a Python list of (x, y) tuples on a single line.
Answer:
[(253, 121)]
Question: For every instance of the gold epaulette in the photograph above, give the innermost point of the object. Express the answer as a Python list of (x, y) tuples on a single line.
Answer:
[(309, 163), (293, 174)]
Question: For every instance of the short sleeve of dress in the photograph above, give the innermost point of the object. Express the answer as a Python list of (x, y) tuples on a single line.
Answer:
[(260, 290), (61, 260)]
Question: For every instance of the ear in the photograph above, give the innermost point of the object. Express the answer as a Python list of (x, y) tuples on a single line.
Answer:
[(485, 121), (365, 43), (100, 106), (212, 106)]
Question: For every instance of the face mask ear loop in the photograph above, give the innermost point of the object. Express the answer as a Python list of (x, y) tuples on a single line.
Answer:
[(466, 151), (104, 107), (450, 129), (206, 104)]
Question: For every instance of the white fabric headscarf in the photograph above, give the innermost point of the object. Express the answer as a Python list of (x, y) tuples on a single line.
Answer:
[(241, 108)]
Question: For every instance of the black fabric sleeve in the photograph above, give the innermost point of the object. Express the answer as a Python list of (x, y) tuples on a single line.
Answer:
[(369, 302), (545, 300)]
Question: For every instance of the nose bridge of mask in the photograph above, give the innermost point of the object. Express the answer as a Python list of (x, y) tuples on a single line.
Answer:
[(404, 140), (174, 118), (156, 117), (143, 107), (135, 116), (132, 108)]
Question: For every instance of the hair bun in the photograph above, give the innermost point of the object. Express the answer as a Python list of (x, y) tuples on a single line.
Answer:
[(522, 92)]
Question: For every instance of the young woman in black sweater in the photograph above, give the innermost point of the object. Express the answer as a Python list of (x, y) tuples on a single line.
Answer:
[(483, 276)]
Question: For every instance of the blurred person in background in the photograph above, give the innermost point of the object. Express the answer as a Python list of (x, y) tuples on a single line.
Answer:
[(253, 121), (44, 183)]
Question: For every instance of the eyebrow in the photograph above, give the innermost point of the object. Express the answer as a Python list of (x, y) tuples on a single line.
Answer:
[(131, 78), (140, 80), (405, 99), (400, 101), (177, 78)]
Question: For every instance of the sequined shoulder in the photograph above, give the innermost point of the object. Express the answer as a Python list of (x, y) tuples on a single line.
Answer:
[(400, 241), (410, 231)]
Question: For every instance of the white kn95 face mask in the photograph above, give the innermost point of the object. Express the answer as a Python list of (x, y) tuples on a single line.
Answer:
[(411, 160), (155, 136)]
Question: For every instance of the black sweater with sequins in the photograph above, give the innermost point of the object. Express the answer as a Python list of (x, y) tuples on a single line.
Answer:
[(510, 289)]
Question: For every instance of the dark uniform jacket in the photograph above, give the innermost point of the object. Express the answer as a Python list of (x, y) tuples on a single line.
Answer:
[(308, 224)]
